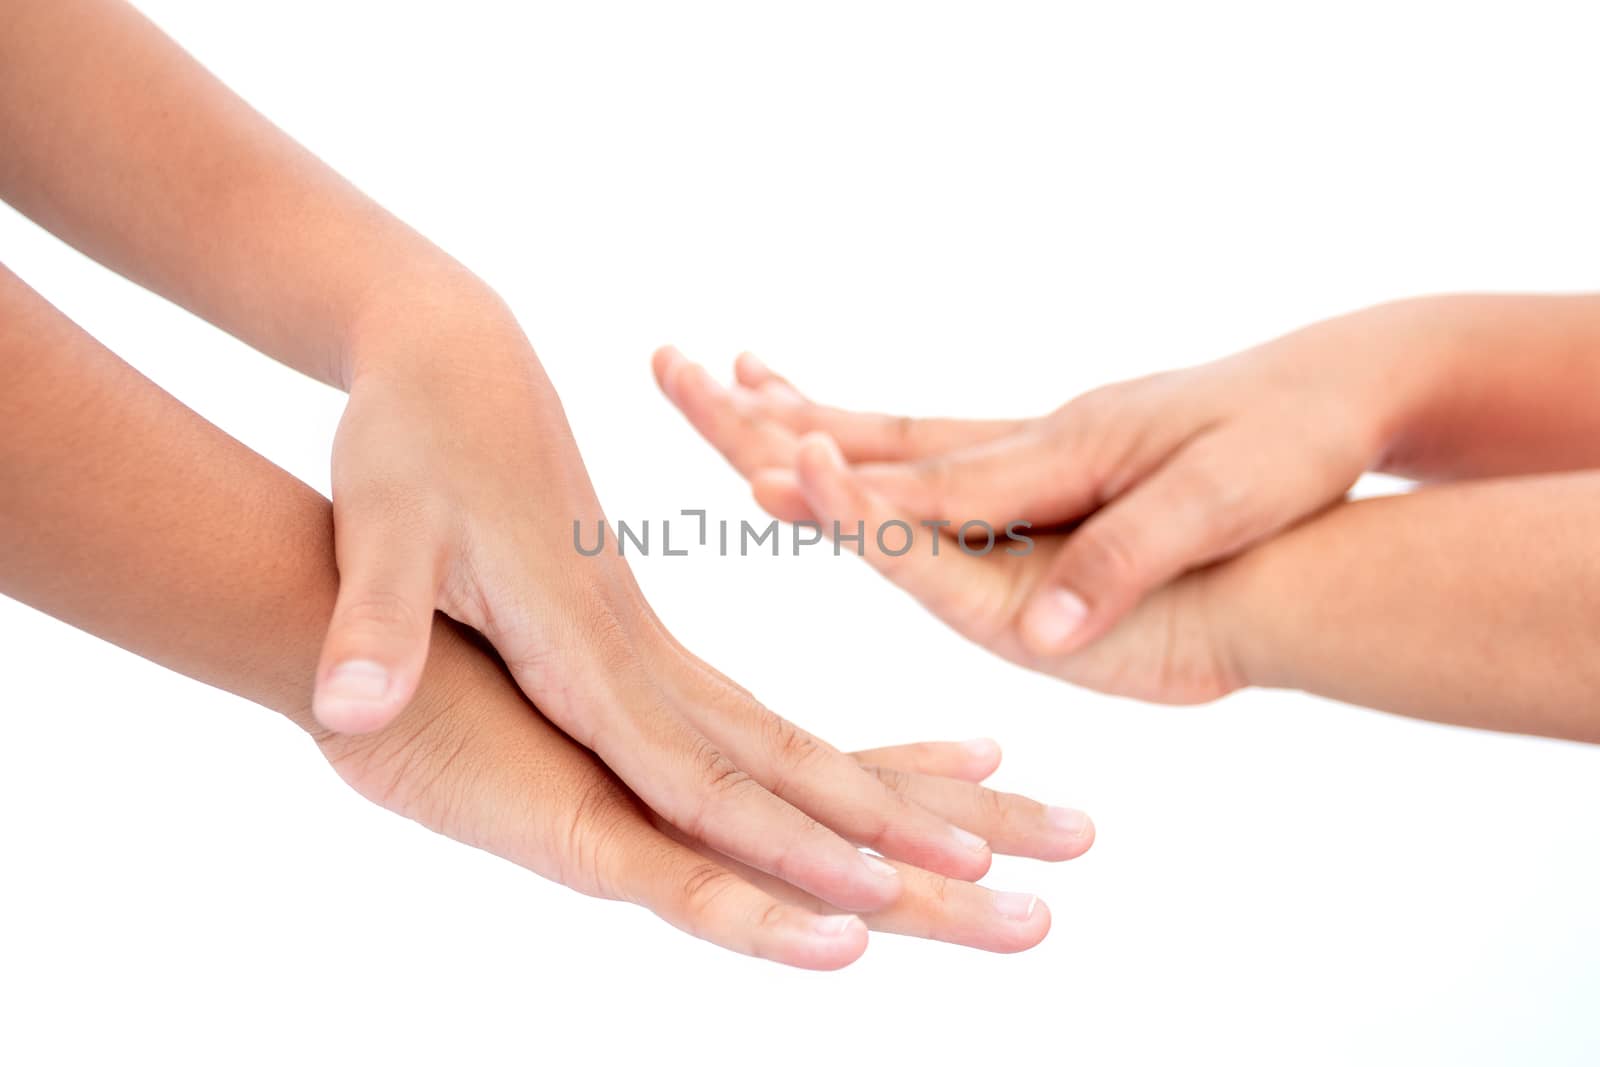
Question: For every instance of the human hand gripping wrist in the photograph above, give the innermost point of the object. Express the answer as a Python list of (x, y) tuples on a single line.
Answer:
[(135, 519), (1137, 483), (1177, 645), (455, 483)]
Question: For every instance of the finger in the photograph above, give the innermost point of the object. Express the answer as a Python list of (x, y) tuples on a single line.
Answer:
[(863, 436), (1012, 824), (778, 492), (836, 790), (378, 638), (966, 591), (746, 441), (749, 371), (940, 908), (685, 776), (1034, 473), (1186, 514), (504, 778), (493, 771), (706, 898), (947, 909), (968, 761)]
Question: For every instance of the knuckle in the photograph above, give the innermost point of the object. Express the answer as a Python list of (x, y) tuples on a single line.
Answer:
[(876, 823), (993, 806), (704, 885), (725, 778), (592, 827), (717, 772), (897, 782), (793, 747), (721, 784), (772, 916)]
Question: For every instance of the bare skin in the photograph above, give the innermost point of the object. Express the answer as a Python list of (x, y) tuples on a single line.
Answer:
[(126, 514), (456, 479), (1195, 515)]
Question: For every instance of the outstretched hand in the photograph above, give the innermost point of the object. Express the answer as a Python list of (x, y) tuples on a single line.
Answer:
[(484, 767), (456, 485), (1130, 493)]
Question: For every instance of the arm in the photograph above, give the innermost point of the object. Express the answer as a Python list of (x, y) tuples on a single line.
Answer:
[(1473, 603), (1177, 470), (1507, 389), (121, 144), (126, 514), (456, 480)]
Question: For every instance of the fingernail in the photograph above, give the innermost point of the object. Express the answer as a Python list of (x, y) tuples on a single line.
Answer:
[(968, 839), (1068, 821), (753, 362), (359, 681), (1053, 618), (1015, 905), (982, 749), (878, 867), (835, 925)]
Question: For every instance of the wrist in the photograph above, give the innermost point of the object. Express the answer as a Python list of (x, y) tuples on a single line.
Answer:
[(417, 317), (1412, 345), (1242, 603)]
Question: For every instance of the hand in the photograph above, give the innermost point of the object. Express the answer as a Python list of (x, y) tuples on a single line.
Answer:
[(456, 484), (485, 768), (1160, 474), (1174, 647)]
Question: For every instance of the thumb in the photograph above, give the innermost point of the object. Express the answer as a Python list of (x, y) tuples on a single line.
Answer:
[(378, 640), (1179, 518)]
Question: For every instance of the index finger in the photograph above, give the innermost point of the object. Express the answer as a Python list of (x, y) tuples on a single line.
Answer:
[(971, 594)]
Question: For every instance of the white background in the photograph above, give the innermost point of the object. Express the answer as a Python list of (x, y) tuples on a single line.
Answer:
[(974, 209)]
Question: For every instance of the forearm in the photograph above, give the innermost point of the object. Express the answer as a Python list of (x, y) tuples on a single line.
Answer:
[(119, 142), (1506, 384), (129, 516), (1474, 603)]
